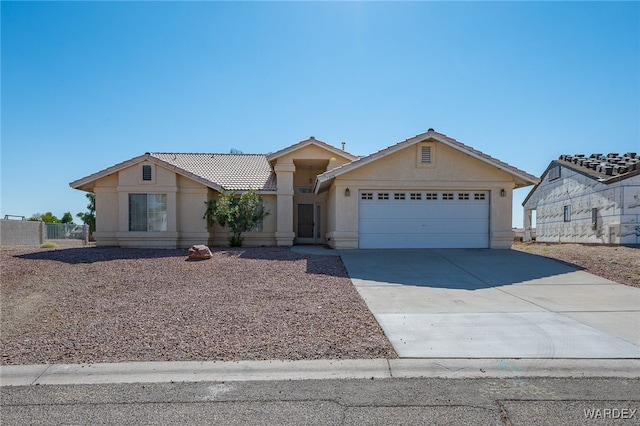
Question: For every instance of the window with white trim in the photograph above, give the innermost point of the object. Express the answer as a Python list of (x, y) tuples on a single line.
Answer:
[(383, 195), (148, 212), (447, 195), (463, 196), (479, 196), (567, 213), (431, 196), (416, 195), (399, 196), (366, 196)]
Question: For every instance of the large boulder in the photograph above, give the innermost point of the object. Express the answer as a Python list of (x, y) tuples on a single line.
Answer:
[(199, 252)]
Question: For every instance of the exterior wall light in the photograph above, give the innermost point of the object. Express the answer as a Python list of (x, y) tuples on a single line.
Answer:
[(347, 193), (503, 193)]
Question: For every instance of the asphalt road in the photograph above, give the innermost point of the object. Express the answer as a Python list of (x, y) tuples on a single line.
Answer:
[(508, 401)]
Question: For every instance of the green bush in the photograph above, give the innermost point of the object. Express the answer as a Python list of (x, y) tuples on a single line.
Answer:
[(239, 212)]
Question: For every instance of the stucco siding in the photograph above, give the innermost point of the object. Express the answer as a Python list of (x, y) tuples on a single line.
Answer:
[(191, 224), (450, 169), (107, 216), (344, 230), (617, 209)]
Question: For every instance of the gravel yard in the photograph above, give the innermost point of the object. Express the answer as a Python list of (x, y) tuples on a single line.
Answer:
[(89, 305), (616, 263)]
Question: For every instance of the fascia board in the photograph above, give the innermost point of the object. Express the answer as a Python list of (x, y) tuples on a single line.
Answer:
[(78, 184)]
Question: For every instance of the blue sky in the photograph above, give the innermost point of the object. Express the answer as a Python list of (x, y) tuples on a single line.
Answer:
[(86, 85)]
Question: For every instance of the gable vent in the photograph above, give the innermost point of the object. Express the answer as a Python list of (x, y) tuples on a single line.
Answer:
[(146, 172), (425, 155)]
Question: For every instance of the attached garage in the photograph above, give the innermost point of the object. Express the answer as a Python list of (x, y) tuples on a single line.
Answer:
[(423, 219), (428, 191)]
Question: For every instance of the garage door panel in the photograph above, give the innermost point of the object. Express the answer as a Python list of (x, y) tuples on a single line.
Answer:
[(422, 226), (435, 240), (425, 223)]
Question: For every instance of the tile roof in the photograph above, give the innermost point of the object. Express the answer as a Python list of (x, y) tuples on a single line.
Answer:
[(612, 166), (229, 171)]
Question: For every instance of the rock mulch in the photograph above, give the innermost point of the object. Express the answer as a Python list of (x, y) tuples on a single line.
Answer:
[(89, 305), (616, 263)]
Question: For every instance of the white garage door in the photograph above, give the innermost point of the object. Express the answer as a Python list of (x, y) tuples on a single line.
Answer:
[(426, 219)]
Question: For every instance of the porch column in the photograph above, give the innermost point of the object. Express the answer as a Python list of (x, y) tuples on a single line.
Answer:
[(284, 178)]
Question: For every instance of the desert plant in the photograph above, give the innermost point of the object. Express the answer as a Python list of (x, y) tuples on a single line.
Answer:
[(240, 212), (49, 244)]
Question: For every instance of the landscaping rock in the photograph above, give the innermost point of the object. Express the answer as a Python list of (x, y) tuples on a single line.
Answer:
[(199, 252)]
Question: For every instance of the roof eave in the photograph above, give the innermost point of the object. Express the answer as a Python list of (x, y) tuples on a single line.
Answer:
[(86, 183), (275, 155), (523, 179)]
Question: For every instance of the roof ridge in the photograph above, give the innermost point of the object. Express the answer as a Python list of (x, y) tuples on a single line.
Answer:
[(207, 153)]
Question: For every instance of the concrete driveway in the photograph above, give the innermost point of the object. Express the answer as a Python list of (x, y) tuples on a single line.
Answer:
[(474, 303)]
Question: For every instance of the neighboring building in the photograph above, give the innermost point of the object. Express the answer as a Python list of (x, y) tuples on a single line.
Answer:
[(581, 199), (427, 191)]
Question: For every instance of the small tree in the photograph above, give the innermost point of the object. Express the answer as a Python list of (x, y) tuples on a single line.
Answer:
[(239, 212), (66, 218), (89, 218), (48, 217)]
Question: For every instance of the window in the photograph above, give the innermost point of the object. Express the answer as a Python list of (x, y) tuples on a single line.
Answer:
[(366, 196), (431, 196), (479, 196), (425, 155), (447, 195), (554, 173), (146, 172), (399, 196), (383, 195), (463, 196), (567, 213), (148, 212), (416, 196)]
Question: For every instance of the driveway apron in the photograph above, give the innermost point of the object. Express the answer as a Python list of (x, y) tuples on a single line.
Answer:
[(477, 303)]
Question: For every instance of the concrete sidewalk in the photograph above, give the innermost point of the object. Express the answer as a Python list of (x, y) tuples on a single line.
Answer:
[(230, 371)]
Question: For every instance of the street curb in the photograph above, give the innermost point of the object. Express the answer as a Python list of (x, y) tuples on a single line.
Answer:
[(218, 371)]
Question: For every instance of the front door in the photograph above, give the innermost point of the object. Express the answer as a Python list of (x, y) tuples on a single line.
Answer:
[(305, 224)]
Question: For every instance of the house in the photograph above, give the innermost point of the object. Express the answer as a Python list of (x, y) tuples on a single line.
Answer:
[(581, 199), (426, 191)]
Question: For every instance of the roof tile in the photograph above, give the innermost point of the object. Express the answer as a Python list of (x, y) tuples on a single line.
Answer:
[(605, 166), (230, 171)]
